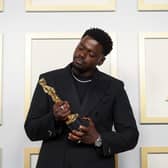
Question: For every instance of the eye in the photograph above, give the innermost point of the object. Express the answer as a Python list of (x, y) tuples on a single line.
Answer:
[(92, 54)]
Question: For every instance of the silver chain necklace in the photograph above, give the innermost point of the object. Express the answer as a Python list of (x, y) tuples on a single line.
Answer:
[(81, 81)]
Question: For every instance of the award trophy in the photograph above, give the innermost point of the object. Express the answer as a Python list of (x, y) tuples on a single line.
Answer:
[(73, 120)]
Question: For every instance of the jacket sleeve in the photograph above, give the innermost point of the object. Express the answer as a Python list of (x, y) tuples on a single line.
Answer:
[(126, 134), (40, 123)]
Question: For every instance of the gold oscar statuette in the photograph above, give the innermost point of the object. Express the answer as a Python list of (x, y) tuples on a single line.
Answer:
[(52, 93)]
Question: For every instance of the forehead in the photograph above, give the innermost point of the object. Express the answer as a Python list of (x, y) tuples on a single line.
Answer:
[(90, 43)]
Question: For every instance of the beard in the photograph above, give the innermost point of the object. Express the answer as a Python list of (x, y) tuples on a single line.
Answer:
[(78, 64), (78, 67)]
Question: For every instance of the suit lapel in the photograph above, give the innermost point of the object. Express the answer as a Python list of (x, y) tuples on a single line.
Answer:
[(68, 90)]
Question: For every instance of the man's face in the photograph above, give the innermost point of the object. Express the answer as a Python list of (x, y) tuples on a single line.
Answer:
[(88, 54)]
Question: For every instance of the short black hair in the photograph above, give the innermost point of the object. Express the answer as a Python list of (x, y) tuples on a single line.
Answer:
[(102, 37)]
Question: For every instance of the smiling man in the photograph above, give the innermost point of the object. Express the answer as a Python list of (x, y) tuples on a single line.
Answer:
[(96, 97)]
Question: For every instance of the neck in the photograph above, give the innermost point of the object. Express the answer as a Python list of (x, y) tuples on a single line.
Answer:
[(82, 74)]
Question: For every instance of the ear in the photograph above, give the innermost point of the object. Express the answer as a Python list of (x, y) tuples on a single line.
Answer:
[(101, 60)]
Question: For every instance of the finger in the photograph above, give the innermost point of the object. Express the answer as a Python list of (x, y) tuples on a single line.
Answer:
[(73, 137), (65, 113), (77, 133), (64, 107), (57, 107), (83, 128), (66, 104), (59, 103), (64, 116), (61, 114)]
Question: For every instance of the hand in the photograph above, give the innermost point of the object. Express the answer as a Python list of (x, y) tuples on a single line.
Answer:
[(61, 110), (87, 135)]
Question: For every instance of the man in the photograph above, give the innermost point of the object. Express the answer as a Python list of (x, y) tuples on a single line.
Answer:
[(96, 97)]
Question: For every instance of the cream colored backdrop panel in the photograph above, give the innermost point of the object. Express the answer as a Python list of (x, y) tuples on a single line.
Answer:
[(156, 1), (156, 55), (73, 5), (157, 160), (153, 5), (49, 55), (153, 81), (73, 2)]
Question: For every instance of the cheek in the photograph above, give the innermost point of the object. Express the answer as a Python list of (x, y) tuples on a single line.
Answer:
[(92, 64), (89, 60)]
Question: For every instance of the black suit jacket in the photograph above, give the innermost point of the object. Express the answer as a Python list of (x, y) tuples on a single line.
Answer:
[(106, 103)]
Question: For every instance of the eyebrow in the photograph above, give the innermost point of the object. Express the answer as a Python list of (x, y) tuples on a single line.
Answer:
[(89, 50)]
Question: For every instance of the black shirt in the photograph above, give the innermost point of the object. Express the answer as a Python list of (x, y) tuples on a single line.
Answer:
[(82, 86)]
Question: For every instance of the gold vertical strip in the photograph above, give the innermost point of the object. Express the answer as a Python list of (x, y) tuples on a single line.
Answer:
[(116, 160), (144, 161)]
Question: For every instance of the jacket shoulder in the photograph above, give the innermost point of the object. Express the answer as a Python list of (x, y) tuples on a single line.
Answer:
[(112, 80), (50, 75)]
